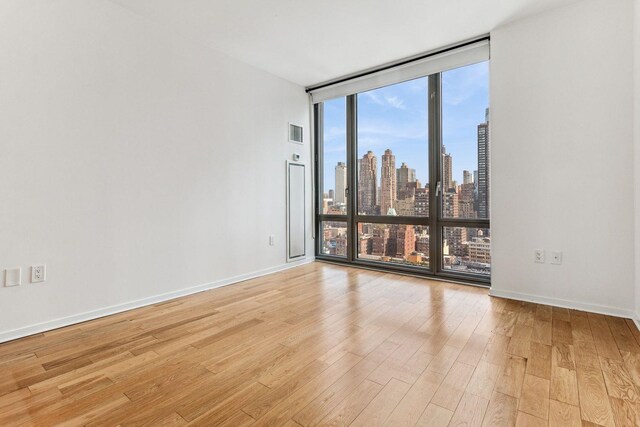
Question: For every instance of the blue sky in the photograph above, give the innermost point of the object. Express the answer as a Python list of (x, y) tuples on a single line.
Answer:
[(396, 117)]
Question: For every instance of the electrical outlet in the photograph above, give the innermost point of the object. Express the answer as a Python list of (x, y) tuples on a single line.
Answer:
[(272, 240), (13, 276), (38, 273), (556, 257), (539, 256)]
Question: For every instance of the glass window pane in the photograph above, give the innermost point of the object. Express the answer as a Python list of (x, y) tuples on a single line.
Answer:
[(393, 150), (334, 155), (394, 243), (466, 250), (465, 142), (334, 238)]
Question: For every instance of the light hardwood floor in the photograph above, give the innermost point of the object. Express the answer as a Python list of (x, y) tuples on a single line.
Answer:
[(329, 345)]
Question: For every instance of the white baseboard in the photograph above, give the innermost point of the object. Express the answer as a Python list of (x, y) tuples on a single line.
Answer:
[(636, 320), (119, 308), (575, 305)]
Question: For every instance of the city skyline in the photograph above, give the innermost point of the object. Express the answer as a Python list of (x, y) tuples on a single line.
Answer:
[(391, 190), (392, 172), (398, 192), (396, 117)]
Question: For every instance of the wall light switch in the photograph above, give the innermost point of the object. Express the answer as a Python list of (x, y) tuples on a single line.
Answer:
[(38, 273), (13, 276), (272, 240), (556, 257), (539, 256)]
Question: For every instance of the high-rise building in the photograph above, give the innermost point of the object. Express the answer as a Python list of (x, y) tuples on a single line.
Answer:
[(447, 170), (450, 208), (365, 244), (422, 244), (405, 240), (367, 184), (456, 238), (484, 200), (405, 207), (404, 176), (421, 202), (479, 249), (475, 190), (341, 183), (467, 177), (405, 204), (388, 183), (379, 240), (466, 202), (341, 245), (392, 241)]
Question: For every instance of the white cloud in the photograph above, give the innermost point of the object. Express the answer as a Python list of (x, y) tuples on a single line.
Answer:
[(395, 102), (374, 97), (379, 133), (385, 100)]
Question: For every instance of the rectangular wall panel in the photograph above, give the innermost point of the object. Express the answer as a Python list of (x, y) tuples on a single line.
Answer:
[(295, 210)]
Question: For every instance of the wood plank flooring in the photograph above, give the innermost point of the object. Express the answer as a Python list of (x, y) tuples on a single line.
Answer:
[(328, 345)]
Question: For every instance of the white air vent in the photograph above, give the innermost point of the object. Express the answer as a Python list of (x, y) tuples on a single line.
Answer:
[(295, 133)]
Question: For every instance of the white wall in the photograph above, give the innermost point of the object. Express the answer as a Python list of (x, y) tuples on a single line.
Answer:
[(562, 156), (132, 163), (636, 115)]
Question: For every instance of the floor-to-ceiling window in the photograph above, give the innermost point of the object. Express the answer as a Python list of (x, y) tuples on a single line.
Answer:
[(393, 174), (331, 116), (403, 173)]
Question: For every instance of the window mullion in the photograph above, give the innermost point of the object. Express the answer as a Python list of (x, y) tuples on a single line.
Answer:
[(352, 173), (435, 231)]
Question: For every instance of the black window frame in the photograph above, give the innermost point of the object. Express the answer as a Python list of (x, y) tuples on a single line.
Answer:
[(435, 221)]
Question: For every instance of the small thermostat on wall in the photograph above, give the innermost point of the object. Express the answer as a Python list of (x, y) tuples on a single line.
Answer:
[(295, 134), (296, 157)]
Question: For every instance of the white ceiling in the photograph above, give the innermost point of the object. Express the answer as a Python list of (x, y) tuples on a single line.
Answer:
[(311, 41)]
